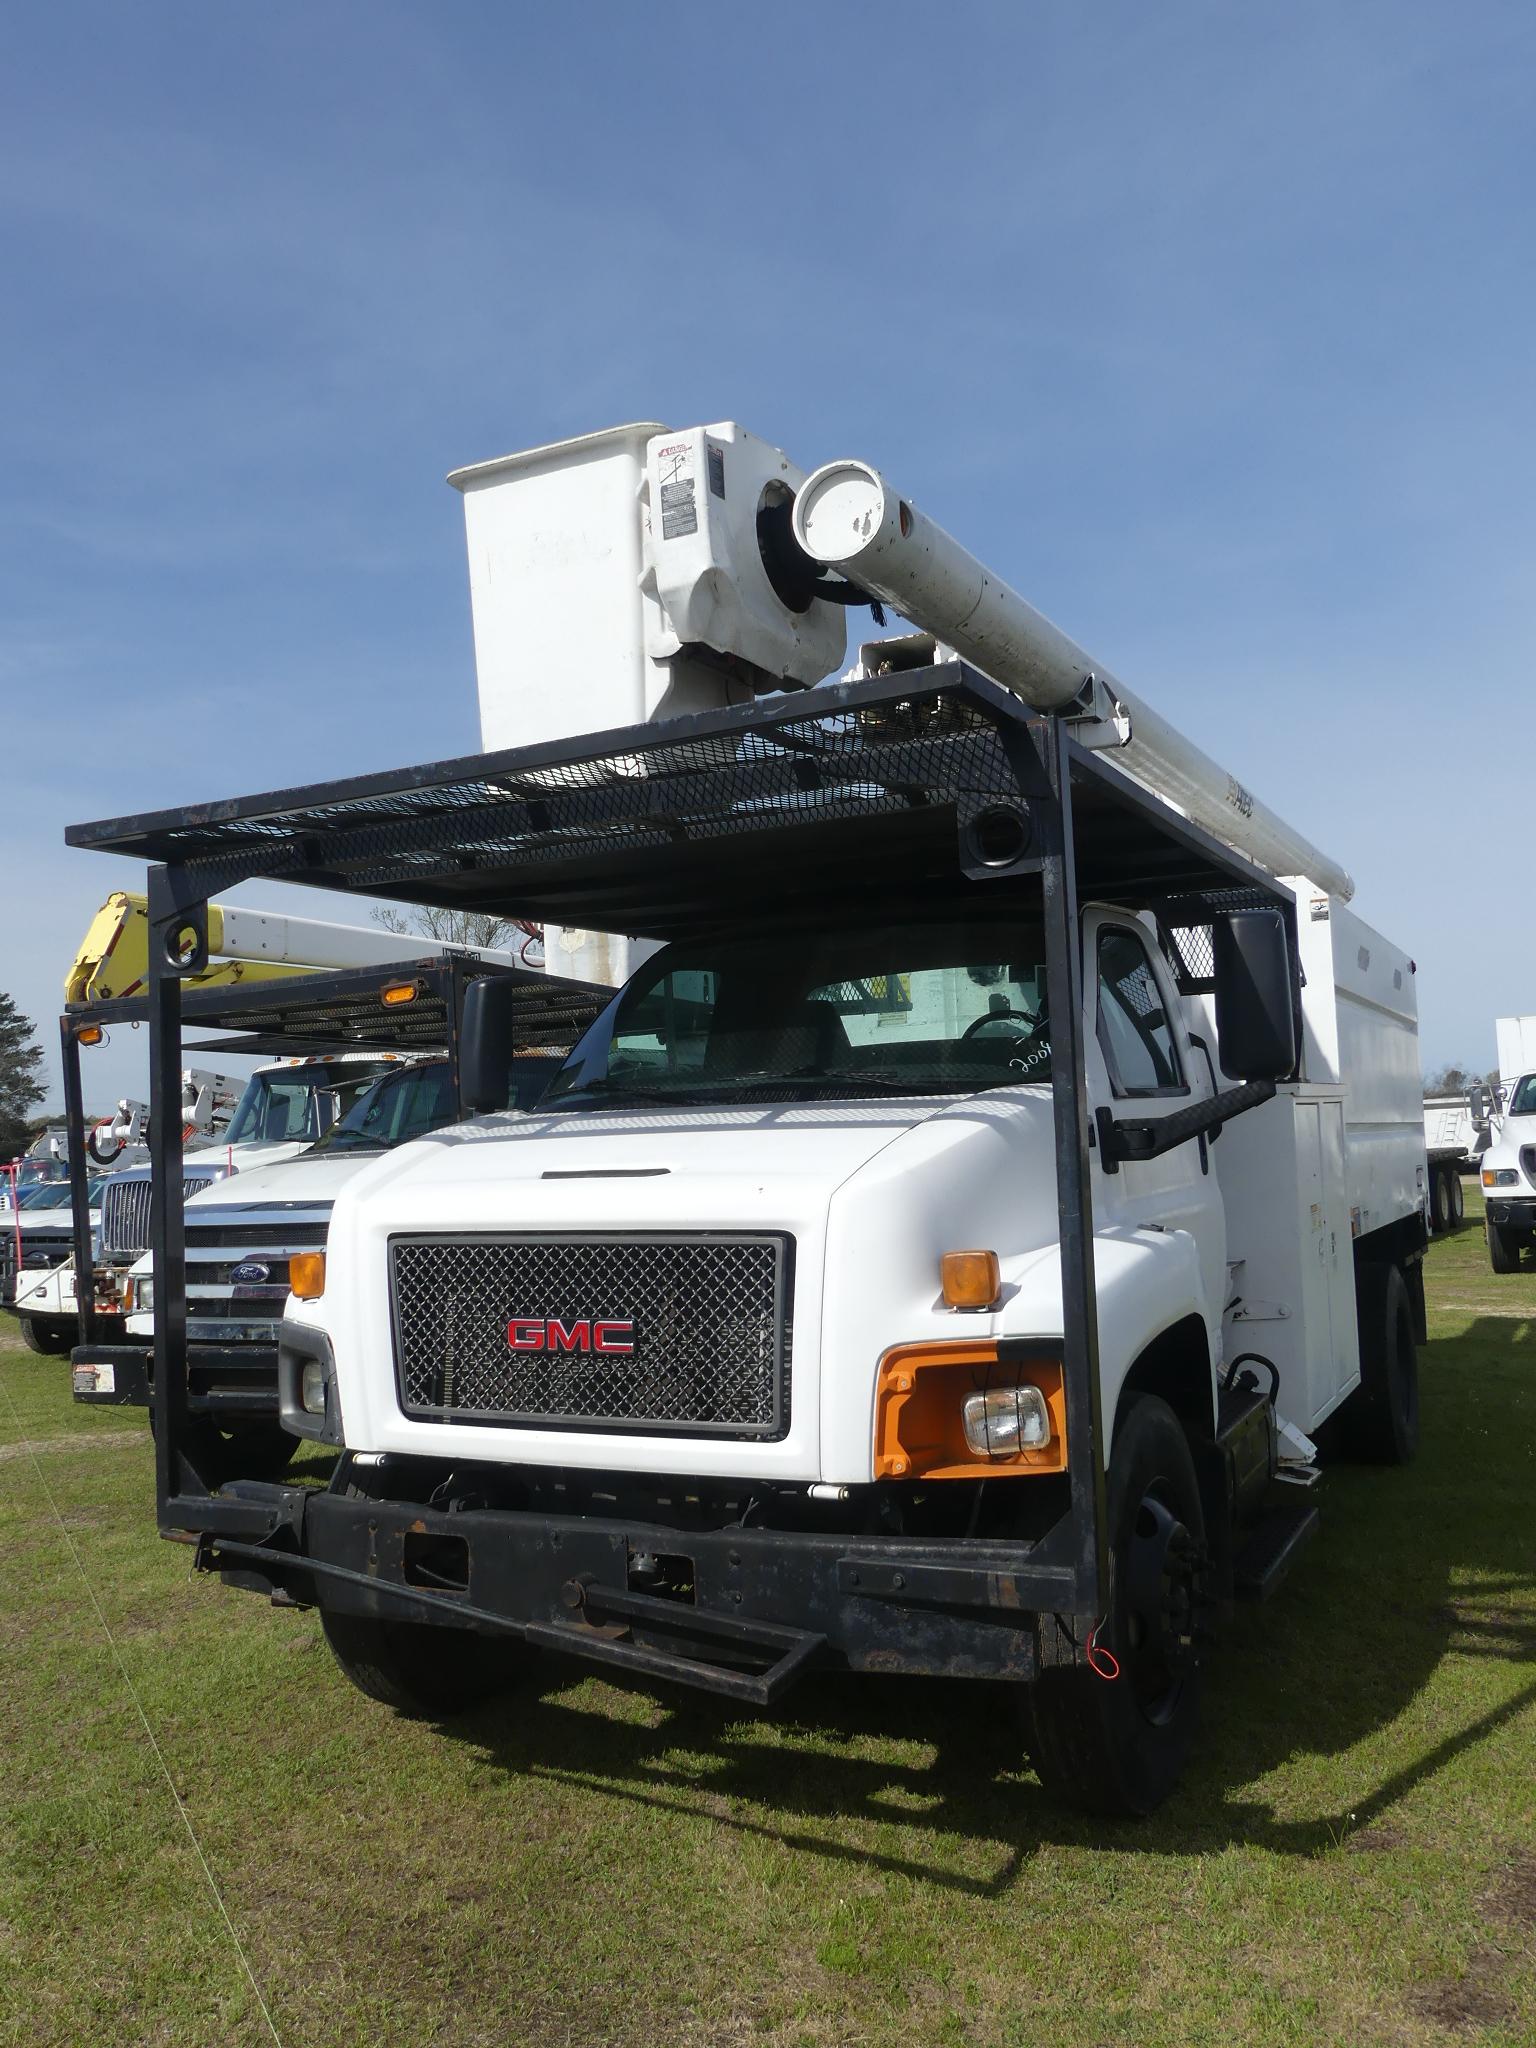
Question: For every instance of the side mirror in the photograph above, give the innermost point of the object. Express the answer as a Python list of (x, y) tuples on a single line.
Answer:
[(487, 1040), (1477, 1103), (1255, 1001)]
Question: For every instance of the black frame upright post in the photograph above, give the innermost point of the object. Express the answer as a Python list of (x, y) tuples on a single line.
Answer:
[(79, 1179), (1074, 1189), (173, 919)]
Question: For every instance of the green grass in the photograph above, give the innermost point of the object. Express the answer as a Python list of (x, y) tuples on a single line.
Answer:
[(1352, 1861)]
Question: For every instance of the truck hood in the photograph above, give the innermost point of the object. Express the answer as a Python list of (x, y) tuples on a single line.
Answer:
[(303, 1178), (1515, 1133), (867, 1195), (822, 1142)]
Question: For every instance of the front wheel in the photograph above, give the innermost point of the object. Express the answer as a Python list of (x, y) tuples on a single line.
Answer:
[(1118, 1745), (1503, 1250), (49, 1336), (423, 1672)]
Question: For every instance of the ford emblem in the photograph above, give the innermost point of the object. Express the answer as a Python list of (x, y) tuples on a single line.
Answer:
[(250, 1273)]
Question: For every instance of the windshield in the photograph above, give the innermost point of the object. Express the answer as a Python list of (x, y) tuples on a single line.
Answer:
[(298, 1104), (54, 1194), (1523, 1101), (401, 1105), (858, 1010)]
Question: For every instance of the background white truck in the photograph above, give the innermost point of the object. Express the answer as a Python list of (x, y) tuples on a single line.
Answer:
[(1508, 1165), (380, 1066), (939, 1256)]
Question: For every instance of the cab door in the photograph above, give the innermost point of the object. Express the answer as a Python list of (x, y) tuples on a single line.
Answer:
[(1140, 1065)]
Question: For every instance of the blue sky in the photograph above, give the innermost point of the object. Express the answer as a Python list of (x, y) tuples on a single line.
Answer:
[(1209, 327)]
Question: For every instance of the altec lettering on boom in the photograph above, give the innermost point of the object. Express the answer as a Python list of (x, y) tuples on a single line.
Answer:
[(549, 1333)]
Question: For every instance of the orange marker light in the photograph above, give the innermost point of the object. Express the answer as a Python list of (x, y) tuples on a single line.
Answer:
[(90, 1034), (970, 1279), (306, 1275), (400, 992)]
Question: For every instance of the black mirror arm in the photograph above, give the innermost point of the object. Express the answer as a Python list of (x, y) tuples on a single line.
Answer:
[(1153, 1136)]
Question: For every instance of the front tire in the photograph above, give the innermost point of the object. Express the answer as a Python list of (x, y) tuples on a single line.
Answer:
[(1503, 1249), (423, 1672), (45, 1335), (1118, 1746)]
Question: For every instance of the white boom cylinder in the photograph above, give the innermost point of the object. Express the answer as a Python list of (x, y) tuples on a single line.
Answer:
[(309, 942), (847, 516)]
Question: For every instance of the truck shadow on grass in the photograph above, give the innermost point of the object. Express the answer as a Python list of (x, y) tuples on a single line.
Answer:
[(929, 1779)]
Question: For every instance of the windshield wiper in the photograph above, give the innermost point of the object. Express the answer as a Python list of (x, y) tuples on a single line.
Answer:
[(606, 1085)]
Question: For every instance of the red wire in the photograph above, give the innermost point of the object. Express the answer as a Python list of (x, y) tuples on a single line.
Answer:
[(1099, 1657)]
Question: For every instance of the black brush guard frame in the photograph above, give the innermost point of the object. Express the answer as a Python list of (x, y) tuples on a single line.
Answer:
[(1170, 861)]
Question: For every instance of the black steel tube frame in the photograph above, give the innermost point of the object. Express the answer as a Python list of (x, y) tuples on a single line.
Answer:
[(1045, 761)]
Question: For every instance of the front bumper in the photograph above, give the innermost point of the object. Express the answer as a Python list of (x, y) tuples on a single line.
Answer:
[(746, 1611), (1511, 1212), (231, 1381)]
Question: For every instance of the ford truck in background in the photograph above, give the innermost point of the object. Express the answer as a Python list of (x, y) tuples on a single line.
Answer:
[(939, 1257), (379, 1066)]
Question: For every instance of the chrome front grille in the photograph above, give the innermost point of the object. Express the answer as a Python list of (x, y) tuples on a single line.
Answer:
[(706, 1320), (125, 1214)]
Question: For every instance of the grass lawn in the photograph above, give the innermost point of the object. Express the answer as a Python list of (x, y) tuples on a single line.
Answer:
[(1352, 1861)]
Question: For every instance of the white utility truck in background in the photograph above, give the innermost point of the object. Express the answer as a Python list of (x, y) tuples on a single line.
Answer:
[(940, 1256), (379, 1066), (1508, 1165)]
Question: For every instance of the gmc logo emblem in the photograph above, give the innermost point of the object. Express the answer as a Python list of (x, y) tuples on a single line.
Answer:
[(549, 1333)]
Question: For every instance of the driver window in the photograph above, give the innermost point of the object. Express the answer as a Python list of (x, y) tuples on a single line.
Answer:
[(1134, 1030)]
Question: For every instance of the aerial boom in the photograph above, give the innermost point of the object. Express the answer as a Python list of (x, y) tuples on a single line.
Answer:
[(244, 945), (848, 518)]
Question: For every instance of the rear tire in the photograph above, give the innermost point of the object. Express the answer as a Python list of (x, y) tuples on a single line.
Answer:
[(1382, 1415), (1117, 1746), (1503, 1249), (1458, 1200), (46, 1337), (423, 1672), (1439, 1216)]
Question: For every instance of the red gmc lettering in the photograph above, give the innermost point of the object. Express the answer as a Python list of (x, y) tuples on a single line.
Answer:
[(551, 1333)]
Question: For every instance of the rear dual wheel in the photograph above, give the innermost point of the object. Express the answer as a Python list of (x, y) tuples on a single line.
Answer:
[(1118, 1745), (1381, 1418)]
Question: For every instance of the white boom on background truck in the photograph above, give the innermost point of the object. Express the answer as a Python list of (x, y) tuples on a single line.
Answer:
[(941, 1254)]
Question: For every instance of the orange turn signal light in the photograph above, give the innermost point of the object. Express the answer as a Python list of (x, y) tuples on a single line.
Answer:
[(970, 1279), (306, 1275), (399, 992), (920, 1399), (90, 1034)]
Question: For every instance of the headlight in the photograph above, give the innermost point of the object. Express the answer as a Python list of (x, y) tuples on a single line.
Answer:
[(312, 1386), (141, 1296), (1500, 1177), (1006, 1420)]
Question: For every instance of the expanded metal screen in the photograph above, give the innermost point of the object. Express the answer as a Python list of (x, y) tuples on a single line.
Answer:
[(685, 1334), (443, 833)]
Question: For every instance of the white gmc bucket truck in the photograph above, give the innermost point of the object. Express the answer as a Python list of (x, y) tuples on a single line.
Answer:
[(943, 1253)]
